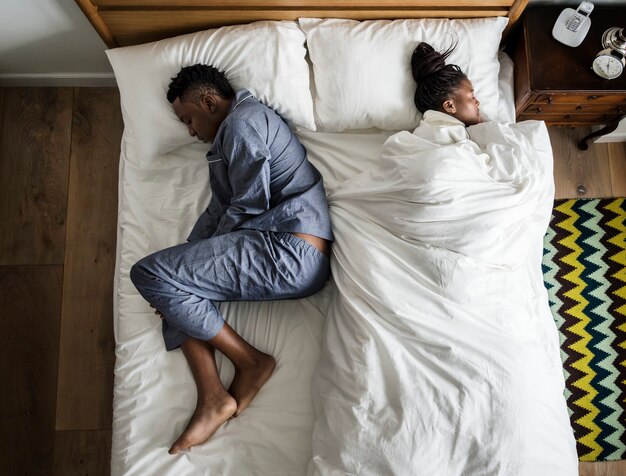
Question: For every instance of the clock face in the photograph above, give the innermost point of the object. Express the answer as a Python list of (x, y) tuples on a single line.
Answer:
[(607, 66)]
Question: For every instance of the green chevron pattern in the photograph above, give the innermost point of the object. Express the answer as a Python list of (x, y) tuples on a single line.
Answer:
[(584, 269)]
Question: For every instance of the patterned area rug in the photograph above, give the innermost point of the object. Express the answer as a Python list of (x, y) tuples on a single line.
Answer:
[(584, 272)]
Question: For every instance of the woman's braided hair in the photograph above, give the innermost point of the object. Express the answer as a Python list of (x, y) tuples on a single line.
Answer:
[(192, 81), (436, 80)]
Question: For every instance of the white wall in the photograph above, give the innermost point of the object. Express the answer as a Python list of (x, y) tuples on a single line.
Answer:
[(50, 43)]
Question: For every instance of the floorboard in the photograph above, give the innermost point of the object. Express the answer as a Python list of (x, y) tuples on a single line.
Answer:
[(617, 161), (79, 453), (1, 110), (577, 173), (30, 312), (86, 355), (34, 146), (605, 468)]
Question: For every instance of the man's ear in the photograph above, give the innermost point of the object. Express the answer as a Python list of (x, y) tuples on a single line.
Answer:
[(209, 101), (448, 106)]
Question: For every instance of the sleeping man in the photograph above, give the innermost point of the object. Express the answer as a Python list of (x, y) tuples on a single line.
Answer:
[(265, 235)]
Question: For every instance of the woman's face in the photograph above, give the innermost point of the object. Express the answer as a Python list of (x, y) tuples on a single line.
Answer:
[(463, 105)]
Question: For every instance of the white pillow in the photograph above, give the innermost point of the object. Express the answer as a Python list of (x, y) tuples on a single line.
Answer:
[(267, 58), (362, 70)]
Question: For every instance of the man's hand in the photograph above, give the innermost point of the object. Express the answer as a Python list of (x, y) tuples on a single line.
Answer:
[(156, 311)]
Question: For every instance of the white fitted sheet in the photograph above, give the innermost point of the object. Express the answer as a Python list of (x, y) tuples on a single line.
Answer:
[(154, 394)]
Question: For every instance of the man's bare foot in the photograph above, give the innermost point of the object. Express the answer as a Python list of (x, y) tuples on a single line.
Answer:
[(210, 414), (248, 381)]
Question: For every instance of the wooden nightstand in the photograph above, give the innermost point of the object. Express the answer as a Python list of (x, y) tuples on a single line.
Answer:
[(555, 83)]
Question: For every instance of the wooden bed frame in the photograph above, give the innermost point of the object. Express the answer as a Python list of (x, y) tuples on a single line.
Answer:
[(131, 22)]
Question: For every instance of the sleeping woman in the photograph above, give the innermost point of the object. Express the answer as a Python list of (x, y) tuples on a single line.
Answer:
[(464, 206), (443, 87)]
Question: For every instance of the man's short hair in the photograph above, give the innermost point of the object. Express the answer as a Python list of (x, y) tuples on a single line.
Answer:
[(193, 81)]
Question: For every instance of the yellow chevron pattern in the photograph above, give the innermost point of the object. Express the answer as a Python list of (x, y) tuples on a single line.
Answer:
[(581, 321), (585, 273)]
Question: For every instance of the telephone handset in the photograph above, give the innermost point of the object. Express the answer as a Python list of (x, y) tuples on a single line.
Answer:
[(573, 25)]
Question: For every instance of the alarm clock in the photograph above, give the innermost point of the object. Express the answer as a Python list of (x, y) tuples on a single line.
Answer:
[(610, 62)]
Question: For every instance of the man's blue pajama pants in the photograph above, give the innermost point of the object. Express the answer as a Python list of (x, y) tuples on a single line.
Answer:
[(183, 282)]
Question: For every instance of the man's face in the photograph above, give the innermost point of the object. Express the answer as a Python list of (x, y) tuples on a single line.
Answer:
[(465, 106), (200, 117)]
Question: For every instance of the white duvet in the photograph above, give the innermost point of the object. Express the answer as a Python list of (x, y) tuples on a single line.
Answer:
[(440, 354)]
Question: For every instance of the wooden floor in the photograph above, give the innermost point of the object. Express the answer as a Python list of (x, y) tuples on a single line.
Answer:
[(59, 150)]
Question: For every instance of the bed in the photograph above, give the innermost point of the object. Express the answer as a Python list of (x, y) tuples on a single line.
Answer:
[(431, 350)]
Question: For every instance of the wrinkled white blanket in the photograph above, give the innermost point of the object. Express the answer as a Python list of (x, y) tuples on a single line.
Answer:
[(441, 356)]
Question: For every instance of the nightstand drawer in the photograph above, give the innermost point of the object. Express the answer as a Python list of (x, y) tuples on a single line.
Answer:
[(586, 98), (567, 108), (570, 119)]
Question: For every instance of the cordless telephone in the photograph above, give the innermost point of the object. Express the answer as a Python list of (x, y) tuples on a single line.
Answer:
[(572, 25)]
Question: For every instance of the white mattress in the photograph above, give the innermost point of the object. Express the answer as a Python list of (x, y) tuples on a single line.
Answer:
[(154, 395)]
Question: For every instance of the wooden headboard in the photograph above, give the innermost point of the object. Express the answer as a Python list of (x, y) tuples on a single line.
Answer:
[(131, 22)]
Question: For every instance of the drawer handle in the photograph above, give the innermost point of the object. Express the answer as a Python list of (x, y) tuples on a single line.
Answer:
[(579, 107), (549, 100), (591, 98), (567, 116)]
